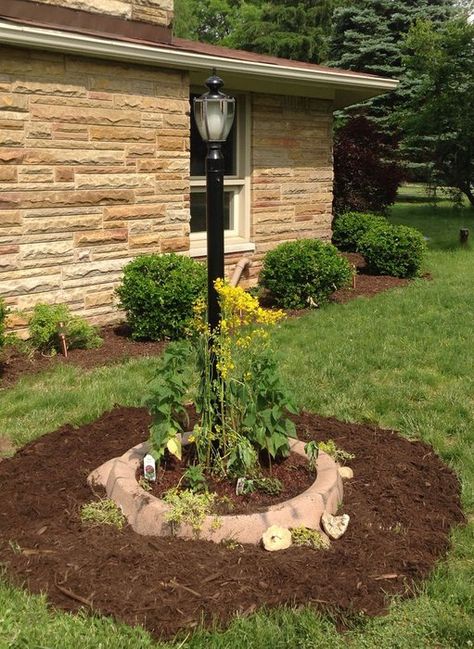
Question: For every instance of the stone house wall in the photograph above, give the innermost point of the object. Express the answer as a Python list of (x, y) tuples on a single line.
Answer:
[(158, 12), (292, 171), (94, 170)]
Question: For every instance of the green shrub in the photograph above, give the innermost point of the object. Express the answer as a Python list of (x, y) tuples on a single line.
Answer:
[(158, 293), (303, 273), (395, 250), (3, 316), (44, 329), (350, 227)]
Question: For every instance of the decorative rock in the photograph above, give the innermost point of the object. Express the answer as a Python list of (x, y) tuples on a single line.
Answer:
[(346, 472), (334, 526), (276, 538)]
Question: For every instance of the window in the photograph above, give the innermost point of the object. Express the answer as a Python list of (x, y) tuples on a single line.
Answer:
[(236, 151)]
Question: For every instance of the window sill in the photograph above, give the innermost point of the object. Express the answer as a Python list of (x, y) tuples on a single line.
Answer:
[(232, 245)]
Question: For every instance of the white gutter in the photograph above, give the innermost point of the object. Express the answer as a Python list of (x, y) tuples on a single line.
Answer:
[(72, 43)]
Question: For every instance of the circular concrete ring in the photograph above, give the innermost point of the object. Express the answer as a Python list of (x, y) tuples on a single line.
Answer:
[(146, 513)]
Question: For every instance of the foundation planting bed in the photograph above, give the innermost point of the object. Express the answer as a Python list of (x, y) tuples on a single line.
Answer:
[(117, 345), (403, 502)]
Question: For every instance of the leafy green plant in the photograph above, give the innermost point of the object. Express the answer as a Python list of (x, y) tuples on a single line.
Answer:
[(395, 250), (188, 508), (158, 293), (144, 484), (194, 479), (103, 512), (3, 316), (44, 328), (166, 399), (312, 451), (337, 454), (271, 486), (350, 227), (304, 273), (303, 536)]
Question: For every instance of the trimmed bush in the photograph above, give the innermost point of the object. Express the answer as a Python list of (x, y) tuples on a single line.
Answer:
[(44, 329), (303, 273), (395, 250), (350, 227), (3, 316), (158, 293)]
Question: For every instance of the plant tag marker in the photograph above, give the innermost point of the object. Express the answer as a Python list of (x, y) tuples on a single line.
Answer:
[(239, 487), (149, 467)]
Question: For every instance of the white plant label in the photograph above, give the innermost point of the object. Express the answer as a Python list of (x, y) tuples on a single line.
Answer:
[(149, 467)]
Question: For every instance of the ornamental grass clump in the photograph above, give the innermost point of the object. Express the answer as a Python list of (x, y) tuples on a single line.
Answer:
[(303, 273), (232, 377)]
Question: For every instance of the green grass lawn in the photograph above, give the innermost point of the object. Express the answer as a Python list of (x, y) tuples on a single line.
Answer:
[(402, 359)]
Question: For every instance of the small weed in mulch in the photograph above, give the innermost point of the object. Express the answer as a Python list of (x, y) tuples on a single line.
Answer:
[(403, 502)]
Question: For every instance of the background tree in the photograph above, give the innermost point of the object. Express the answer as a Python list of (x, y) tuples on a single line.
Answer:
[(298, 30), (440, 116), (208, 21), (366, 179)]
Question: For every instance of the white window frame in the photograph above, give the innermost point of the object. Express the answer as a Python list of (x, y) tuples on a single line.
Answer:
[(238, 237)]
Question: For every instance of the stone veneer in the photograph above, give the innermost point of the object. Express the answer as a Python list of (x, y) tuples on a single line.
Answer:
[(292, 171), (158, 12), (94, 170)]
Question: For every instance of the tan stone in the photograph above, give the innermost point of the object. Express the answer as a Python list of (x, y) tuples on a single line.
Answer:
[(42, 284), (69, 156), (111, 134), (8, 219), (8, 174), (43, 87), (145, 241), (175, 245), (76, 115), (70, 223), (112, 7), (16, 319), (133, 212), (114, 181), (99, 298), (100, 237), (11, 137), (45, 199), (13, 102)]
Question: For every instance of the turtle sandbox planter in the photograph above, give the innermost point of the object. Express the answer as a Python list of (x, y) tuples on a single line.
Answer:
[(147, 514)]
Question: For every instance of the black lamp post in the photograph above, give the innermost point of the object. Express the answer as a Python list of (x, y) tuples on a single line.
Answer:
[(214, 114)]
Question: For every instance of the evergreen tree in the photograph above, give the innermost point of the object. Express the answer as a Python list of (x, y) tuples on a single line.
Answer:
[(296, 30), (439, 117), (368, 36)]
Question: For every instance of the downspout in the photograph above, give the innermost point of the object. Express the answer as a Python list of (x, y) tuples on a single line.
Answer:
[(238, 270)]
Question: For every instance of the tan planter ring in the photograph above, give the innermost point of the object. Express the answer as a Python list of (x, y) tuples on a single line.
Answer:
[(146, 513)]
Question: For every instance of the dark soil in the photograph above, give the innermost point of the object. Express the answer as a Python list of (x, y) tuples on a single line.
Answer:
[(292, 472), (365, 284), (402, 502), (117, 347)]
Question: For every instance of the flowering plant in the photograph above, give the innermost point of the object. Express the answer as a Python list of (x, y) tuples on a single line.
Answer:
[(241, 404)]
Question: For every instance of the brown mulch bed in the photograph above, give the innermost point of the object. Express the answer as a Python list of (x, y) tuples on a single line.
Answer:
[(366, 285), (403, 503), (117, 346)]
